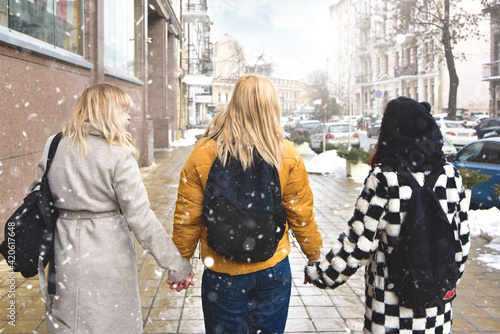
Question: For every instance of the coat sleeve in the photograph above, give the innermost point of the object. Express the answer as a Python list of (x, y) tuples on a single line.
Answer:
[(354, 246), (134, 204), (463, 231), (298, 202), (188, 216)]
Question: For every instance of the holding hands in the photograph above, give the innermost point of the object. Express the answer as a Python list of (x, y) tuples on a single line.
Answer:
[(184, 284)]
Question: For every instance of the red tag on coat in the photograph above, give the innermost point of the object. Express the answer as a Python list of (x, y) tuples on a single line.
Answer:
[(449, 294)]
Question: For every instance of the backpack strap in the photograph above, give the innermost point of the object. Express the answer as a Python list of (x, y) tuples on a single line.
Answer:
[(430, 180), (50, 286), (52, 151)]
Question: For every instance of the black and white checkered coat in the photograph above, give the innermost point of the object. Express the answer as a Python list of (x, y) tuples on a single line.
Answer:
[(379, 211)]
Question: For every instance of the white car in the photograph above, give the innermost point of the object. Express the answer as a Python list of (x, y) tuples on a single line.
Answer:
[(473, 122), (448, 147), (457, 132), (336, 134)]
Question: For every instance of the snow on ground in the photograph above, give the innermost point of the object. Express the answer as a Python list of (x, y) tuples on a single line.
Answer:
[(485, 223), (189, 138)]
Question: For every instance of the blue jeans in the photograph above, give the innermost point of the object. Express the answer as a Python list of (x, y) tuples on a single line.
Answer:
[(247, 303)]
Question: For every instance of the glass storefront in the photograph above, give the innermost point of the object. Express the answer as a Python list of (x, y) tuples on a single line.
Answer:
[(57, 22), (120, 36)]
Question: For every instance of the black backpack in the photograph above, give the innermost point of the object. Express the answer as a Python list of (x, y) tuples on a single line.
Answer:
[(29, 231), (422, 267), (243, 210)]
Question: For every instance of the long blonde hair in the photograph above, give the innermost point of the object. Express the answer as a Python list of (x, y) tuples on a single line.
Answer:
[(102, 106), (249, 123)]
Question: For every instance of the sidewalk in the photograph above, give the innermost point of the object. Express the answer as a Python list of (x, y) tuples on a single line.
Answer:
[(476, 309)]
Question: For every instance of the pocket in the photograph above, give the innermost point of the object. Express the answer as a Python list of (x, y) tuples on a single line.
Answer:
[(282, 272), (217, 281)]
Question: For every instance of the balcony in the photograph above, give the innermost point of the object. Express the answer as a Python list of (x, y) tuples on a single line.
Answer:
[(195, 11), (363, 79), (491, 71), (363, 22), (410, 69)]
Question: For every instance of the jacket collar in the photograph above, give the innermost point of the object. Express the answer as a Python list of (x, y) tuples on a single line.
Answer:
[(92, 130)]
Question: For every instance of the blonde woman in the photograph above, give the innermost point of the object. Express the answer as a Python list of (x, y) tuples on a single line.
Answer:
[(97, 187), (241, 297)]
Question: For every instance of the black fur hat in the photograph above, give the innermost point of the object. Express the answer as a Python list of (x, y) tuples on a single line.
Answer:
[(409, 137)]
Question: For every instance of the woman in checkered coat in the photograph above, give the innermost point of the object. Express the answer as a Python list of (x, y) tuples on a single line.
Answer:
[(409, 140)]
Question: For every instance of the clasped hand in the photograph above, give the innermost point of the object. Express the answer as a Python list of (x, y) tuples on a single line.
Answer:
[(184, 284)]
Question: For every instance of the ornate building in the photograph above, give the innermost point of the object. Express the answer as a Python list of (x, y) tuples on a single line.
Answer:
[(369, 63), (491, 70)]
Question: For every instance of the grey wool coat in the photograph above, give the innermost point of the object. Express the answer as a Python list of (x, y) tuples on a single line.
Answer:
[(95, 256)]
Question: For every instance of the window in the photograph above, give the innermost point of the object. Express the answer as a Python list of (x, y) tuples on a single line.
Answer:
[(120, 38), (491, 153), (58, 22), (471, 153)]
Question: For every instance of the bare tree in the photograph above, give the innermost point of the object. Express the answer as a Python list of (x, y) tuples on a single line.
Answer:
[(231, 59), (321, 96), (261, 66), (444, 21)]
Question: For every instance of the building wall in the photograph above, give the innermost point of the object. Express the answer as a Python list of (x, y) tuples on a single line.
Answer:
[(40, 85), (494, 107)]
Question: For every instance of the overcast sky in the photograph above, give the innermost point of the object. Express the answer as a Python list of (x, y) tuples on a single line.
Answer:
[(291, 33)]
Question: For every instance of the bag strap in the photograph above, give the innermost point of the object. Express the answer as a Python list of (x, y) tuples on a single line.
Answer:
[(52, 151)]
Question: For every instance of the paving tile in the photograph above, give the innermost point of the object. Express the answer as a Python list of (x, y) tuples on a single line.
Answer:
[(346, 301), (318, 312), (486, 325), (192, 313), (165, 313), (351, 312), (22, 326), (297, 312), (192, 326), (167, 326), (299, 326), (316, 300), (462, 325), (330, 325)]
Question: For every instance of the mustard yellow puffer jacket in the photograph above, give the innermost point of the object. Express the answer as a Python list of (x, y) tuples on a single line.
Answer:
[(297, 200)]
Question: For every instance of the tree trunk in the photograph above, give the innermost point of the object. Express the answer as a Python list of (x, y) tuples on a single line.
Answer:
[(450, 63)]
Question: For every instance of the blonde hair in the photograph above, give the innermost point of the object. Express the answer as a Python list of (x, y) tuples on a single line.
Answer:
[(101, 106), (250, 123)]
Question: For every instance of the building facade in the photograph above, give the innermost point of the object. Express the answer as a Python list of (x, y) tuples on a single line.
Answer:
[(197, 61), (51, 50), (491, 70), (369, 63)]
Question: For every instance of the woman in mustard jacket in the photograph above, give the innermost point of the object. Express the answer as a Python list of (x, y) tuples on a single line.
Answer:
[(246, 296)]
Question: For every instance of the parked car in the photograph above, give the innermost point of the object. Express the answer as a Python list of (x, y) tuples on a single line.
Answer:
[(444, 116), (495, 133), (482, 155), (475, 121), (488, 125), (373, 129), (457, 132), (364, 122), (305, 128), (289, 126), (334, 134), (448, 147)]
